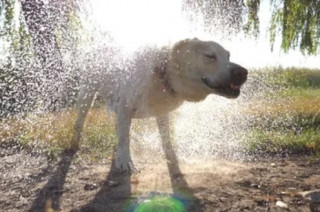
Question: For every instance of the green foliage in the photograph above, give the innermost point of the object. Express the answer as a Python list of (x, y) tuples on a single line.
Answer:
[(252, 24), (297, 21), (14, 30), (69, 28), (8, 7)]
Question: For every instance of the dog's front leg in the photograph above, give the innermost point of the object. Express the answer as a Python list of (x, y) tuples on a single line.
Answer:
[(123, 157), (164, 130), (171, 157), (163, 127)]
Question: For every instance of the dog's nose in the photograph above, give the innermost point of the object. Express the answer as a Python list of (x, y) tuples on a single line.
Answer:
[(239, 72)]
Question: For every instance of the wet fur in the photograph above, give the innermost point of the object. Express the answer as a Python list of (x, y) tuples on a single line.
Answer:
[(133, 90)]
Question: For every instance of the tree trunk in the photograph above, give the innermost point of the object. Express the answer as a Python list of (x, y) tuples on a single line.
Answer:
[(41, 26)]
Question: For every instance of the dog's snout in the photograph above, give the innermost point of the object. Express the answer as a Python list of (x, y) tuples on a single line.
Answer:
[(238, 74), (239, 71)]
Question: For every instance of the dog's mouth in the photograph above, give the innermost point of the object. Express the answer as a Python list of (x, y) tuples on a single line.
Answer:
[(229, 90)]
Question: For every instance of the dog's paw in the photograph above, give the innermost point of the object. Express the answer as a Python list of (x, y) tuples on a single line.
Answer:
[(125, 165)]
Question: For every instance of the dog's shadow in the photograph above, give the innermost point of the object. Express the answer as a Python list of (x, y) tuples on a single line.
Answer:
[(180, 187), (115, 194), (49, 196)]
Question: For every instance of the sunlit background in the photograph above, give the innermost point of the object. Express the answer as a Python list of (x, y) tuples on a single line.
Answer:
[(141, 22)]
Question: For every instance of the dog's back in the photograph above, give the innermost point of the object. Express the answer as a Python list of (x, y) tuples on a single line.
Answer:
[(116, 77)]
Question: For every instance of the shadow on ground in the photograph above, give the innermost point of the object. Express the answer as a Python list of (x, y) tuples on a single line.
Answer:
[(49, 196), (28, 182), (116, 194)]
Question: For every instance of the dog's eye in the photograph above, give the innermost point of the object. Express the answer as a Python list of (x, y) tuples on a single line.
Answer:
[(211, 56)]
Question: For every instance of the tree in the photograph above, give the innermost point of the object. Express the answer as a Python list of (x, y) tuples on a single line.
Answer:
[(34, 74), (42, 20), (15, 91), (297, 22)]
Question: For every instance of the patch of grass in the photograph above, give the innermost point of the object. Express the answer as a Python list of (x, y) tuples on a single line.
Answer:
[(99, 134), (11, 129), (290, 77), (287, 141), (55, 131), (304, 112), (300, 93), (286, 115)]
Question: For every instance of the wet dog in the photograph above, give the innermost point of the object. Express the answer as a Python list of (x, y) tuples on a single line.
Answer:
[(156, 82)]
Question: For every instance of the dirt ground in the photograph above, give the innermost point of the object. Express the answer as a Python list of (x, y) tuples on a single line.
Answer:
[(29, 182)]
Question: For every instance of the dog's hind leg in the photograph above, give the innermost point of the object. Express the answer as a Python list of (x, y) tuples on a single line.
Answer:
[(180, 186), (85, 100), (123, 157)]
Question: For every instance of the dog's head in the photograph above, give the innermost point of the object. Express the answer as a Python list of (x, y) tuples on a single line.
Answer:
[(198, 68)]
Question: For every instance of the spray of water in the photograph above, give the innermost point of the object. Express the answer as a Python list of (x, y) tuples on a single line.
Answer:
[(202, 130), (126, 26)]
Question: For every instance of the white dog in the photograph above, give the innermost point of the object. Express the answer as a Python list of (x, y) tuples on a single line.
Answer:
[(156, 82)]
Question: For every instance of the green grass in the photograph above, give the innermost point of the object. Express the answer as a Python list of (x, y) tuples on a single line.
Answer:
[(283, 141), (54, 131), (290, 77), (288, 118), (300, 93)]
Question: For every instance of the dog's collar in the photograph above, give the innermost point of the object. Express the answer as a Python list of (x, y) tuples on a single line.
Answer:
[(160, 72)]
